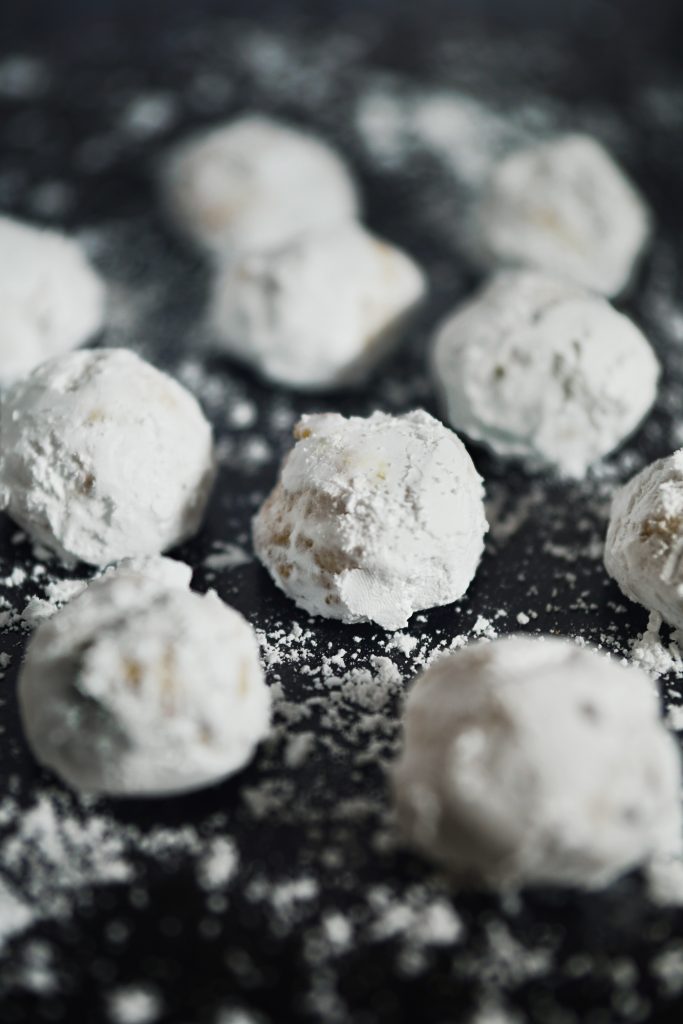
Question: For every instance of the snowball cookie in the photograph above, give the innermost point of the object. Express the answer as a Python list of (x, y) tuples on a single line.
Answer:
[(541, 370), (142, 688), (535, 761), (51, 299), (103, 457), (319, 311), (645, 538), (255, 183), (566, 207), (373, 519)]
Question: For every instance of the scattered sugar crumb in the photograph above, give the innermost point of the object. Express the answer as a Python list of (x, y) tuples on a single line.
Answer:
[(217, 864), (226, 556)]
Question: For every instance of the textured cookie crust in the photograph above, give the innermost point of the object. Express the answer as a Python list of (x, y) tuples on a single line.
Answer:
[(140, 687), (373, 519), (104, 457), (318, 312)]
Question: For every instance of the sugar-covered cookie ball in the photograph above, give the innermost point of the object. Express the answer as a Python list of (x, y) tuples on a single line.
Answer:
[(373, 519), (645, 538), (541, 370), (139, 687), (51, 299), (102, 457), (565, 207), (535, 761), (318, 312), (255, 183)]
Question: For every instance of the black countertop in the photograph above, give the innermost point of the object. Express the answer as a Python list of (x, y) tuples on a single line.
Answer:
[(323, 918)]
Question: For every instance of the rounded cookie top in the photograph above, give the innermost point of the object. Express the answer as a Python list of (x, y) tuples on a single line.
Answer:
[(563, 206), (103, 457)]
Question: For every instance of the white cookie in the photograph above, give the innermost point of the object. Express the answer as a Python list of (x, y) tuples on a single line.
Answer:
[(532, 761), (51, 299), (253, 184), (373, 519)]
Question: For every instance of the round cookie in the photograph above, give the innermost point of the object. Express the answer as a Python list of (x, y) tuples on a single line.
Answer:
[(51, 299), (139, 687), (532, 761), (255, 183), (565, 207), (644, 540), (543, 371), (319, 311), (104, 457), (373, 519)]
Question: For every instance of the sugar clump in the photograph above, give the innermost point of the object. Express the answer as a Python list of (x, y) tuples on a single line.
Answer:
[(319, 311), (541, 370), (563, 205), (104, 457)]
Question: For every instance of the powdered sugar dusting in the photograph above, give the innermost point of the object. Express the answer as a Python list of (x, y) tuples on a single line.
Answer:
[(315, 873)]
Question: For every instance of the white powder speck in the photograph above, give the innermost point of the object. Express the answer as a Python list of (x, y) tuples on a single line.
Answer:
[(149, 115), (298, 748), (134, 1004), (15, 916), (226, 556), (241, 414), (23, 77), (338, 930)]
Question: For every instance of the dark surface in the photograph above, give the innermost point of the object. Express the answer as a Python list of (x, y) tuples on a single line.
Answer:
[(593, 67)]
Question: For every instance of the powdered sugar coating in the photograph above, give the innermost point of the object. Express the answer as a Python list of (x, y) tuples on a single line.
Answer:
[(373, 519), (255, 183), (564, 206), (534, 761), (140, 687), (104, 457), (542, 370), (644, 540), (52, 299), (318, 312), (167, 572)]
